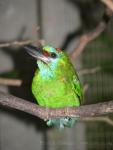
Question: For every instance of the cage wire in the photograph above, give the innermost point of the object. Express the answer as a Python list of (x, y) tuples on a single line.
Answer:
[(99, 53)]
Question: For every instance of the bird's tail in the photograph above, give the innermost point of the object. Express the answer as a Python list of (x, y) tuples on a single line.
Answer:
[(62, 122)]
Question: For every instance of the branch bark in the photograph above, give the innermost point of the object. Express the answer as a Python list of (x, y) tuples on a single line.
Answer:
[(86, 38), (105, 119), (46, 113), (108, 3), (21, 43), (10, 82)]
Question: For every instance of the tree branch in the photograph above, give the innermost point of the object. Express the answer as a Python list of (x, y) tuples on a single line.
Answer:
[(86, 38), (106, 119), (90, 71), (21, 43), (45, 113), (108, 3), (10, 82)]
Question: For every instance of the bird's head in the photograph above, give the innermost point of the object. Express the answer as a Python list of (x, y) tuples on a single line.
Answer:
[(47, 56)]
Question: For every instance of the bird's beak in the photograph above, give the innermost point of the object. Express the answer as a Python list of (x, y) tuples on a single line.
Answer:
[(37, 53)]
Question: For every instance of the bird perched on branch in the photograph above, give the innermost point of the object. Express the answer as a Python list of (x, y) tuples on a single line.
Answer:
[(55, 83)]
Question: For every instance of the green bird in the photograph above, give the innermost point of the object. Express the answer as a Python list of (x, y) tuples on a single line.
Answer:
[(55, 83)]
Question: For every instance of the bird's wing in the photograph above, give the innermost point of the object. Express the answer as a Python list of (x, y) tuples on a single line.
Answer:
[(77, 87)]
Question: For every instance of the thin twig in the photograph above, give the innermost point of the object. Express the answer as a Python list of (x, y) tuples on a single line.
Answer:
[(100, 119), (21, 43), (45, 113), (89, 71), (85, 88), (18, 82), (108, 3), (86, 38), (17, 43), (10, 82)]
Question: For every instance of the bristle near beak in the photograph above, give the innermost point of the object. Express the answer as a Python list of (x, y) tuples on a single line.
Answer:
[(36, 53)]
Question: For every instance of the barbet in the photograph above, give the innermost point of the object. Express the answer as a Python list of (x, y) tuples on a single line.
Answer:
[(55, 83)]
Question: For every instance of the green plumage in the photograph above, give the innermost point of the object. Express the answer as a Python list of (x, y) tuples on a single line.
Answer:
[(56, 85)]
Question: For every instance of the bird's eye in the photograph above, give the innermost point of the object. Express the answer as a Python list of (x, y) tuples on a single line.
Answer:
[(53, 55)]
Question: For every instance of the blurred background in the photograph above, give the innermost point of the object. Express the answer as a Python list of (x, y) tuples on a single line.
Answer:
[(61, 23)]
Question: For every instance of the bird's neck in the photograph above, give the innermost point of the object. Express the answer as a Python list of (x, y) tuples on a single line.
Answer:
[(47, 71), (54, 69)]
